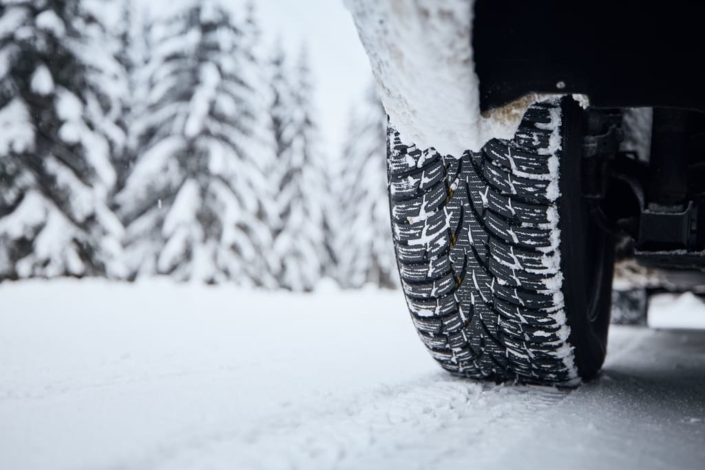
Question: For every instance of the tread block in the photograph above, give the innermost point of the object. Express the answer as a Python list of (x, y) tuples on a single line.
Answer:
[(433, 307), (519, 188), (526, 237), (516, 161), (424, 271), (415, 183), (518, 212), (430, 290)]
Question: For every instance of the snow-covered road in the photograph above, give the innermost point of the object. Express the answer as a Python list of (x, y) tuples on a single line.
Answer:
[(156, 376)]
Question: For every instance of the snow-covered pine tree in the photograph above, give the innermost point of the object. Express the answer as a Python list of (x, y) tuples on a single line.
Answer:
[(282, 129), (124, 30), (364, 243), (191, 203), (318, 174), (264, 176), (59, 88), (299, 237), (131, 50)]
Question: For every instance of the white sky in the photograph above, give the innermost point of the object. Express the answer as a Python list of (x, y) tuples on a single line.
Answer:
[(339, 64)]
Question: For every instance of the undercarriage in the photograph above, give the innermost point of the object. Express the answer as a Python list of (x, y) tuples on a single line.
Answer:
[(622, 57)]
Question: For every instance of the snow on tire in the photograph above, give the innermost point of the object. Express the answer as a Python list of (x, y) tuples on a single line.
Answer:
[(479, 253)]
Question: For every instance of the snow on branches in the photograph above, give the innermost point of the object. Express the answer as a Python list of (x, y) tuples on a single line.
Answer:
[(59, 84), (194, 200), (135, 146)]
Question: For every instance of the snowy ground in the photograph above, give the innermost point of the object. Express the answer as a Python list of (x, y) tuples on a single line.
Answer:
[(102, 376)]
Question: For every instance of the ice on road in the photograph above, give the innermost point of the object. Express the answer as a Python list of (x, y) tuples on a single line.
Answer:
[(95, 375)]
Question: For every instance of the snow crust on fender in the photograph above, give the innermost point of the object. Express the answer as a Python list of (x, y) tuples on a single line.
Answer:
[(421, 55)]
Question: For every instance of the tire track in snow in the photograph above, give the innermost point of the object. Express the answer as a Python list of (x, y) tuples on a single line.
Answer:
[(436, 419)]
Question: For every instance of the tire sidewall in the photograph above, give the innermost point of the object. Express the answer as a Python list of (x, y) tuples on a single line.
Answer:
[(588, 338)]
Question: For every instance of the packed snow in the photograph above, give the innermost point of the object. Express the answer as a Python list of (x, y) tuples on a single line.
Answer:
[(157, 375)]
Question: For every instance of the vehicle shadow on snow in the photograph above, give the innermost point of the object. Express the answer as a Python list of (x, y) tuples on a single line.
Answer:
[(653, 360), (646, 410)]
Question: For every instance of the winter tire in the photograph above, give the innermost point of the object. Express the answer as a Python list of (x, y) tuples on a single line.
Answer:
[(505, 275)]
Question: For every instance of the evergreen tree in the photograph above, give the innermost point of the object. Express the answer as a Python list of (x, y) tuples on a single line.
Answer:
[(125, 32), (192, 201), (282, 130), (264, 175), (365, 249), (60, 87), (301, 174), (133, 33), (129, 50)]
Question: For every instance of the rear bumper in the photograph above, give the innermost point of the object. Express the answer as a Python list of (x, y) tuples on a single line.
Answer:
[(624, 53)]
